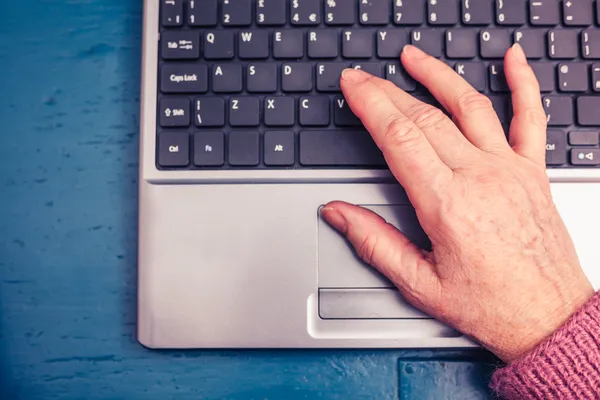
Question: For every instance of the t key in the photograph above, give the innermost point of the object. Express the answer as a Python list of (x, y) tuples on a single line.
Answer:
[(357, 43)]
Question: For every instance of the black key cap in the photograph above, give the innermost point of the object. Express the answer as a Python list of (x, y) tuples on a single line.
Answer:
[(573, 77), (474, 73), (173, 149), (585, 156), (461, 43), (227, 78), (314, 111), (556, 148), (344, 148), (174, 111), (279, 148), (244, 111), (598, 12), (305, 12), (374, 12), (340, 12), (428, 40), (209, 111), (203, 12), (342, 114), (543, 12), (297, 77), (271, 12), (533, 42), (559, 110), (253, 44), (236, 12), (510, 12), (323, 43), (588, 111), (171, 12), (243, 148), (494, 43), (209, 149), (476, 12), (369, 67), (218, 45), (562, 43), (357, 43), (288, 43), (583, 138), (279, 111), (183, 78), (261, 78), (442, 12), (328, 76), (500, 104), (180, 45), (395, 73), (409, 12), (497, 77), (544, 72), (390, 42), (596, 77), (590, 43), (578, 12)]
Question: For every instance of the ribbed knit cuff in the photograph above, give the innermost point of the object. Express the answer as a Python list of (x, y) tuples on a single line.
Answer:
[(565, 366)]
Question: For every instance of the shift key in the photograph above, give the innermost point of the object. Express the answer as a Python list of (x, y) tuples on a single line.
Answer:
[(556, 147)]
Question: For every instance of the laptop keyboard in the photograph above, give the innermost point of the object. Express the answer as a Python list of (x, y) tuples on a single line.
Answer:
[(247, 84)]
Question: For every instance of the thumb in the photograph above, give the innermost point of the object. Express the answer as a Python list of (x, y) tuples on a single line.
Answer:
[(385, 248)]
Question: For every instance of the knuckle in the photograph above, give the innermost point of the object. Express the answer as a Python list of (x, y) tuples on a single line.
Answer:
[(367, 249), (430, 117), (469, 102), (400, 132)]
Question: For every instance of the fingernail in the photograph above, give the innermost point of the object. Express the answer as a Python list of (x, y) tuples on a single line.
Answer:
[(352, 75), (519, 54), (414, 52), (334, 218)]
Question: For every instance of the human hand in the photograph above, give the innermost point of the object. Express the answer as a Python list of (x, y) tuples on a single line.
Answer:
[(503, 268)]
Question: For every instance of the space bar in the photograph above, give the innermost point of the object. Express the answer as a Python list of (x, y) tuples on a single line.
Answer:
[(343, 148)]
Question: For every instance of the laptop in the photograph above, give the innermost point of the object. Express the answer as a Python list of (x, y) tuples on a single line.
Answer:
[(245, 135)]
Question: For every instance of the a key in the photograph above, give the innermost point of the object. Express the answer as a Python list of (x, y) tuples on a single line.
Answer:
[(544, 72), (227, 78), (374, 12), (243, 148), (357, 43), (559, 110), (596, 77), (395, 73), (342, 114), (218, 45), (442, 12), (474, 73), (209, 112), (328, 76), (183, 78), (543, 12), (297, 77), (588, 110), (253, 44), (209, 149), (590, 43), (174, 111), (244, 111), (180, 45), (305, 12), (314, 111), (428, 40), (476, 12), (510, 12), (584, 157), (562, 43), (339, 148), (271, 12), (497, 77), (390, 42), (500, 104), (369, 67), (173, 149), (279, 148), (461, 43), (409, 12), (236, 12), (288, 43), (532, 41), (279, 111), (202, 12), (171, 13), (494, 43), (261, 78), (583, 138), (573, 77), (340, 12), (578, 12), (556, 147), (323, 43)]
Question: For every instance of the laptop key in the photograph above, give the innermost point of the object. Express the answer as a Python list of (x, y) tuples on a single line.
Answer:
[(578, 12), (339, 148), (476, 12), (244, 111), (253, 44), (209, 111), (243, 148), (297, 77), (174, 111), (340, 12), (371, 68), (180, 45), (323, 43), (442, 12), (173, 149), (328, 76), (559, 110), (236, 12), (374, 12), (428, 40), (562, 43), (390, 42), (588, 110), (203, 12), (183, 78), (288, 43), (305, 12), (544, 12), (279, 148), (583, 157), (171, 13), (209, 149), (500, 104), (573, 77), (395, 73), (271, 12), (544, 72), (409, 12), (510, 12), (474, 73), (497, 78), (261, 78), (357, 43), (279, 111), (596, 77), (218, 45), (590, 43), (556, 147), (494, 43), (461, 43), (532, 41), (227, 78), (583, 138), (314, 111), (342, 114)]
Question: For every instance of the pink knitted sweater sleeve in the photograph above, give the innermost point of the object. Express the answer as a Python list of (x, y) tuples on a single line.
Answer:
[(565, 366)]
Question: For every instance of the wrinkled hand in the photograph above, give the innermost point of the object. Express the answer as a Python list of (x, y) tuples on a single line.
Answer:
[(503, 268)]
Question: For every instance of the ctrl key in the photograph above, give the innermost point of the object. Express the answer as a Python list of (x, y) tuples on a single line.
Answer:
[(556, 147), (173, 149)]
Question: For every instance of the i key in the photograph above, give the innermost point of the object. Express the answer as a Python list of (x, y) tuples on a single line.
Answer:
[(305, 12), (461, 43), (237, 12)]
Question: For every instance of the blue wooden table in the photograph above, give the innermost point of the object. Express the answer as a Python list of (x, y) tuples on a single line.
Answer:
[(69, 99)]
